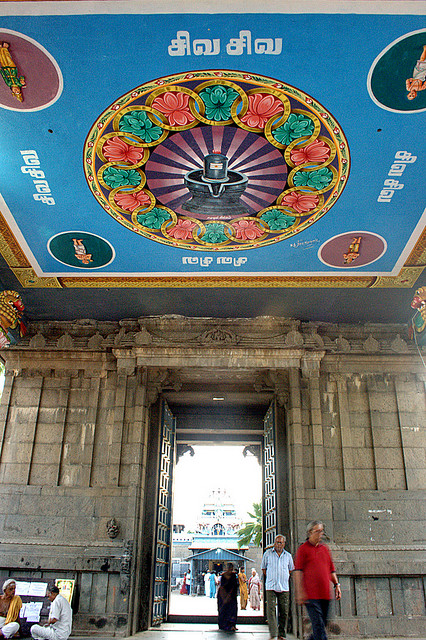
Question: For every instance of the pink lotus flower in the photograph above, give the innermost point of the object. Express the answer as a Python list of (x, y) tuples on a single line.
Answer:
[(182, 230), (175, 107), (132, 201), (261, 108), (116, 150), (301, 202), (317, 152), (247, 230)]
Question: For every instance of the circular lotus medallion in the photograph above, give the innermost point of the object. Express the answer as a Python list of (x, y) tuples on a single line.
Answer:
[(216, 160)]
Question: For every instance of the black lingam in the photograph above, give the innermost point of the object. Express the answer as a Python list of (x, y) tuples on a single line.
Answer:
[(215, 190)]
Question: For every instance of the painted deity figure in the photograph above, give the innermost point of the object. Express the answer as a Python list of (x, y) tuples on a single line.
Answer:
[(80, 251), (9, 72), (418, 81), (353, 251)]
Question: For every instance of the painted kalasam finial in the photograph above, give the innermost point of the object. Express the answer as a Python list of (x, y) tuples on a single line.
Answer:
[(12, 326)]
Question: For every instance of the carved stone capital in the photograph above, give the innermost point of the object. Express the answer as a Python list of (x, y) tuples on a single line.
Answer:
[(310, 364), (126, 361)]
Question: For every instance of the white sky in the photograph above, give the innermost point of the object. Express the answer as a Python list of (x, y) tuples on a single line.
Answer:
[(214, 467)]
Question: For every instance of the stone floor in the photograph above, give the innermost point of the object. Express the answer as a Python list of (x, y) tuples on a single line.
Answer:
[(177, 631)]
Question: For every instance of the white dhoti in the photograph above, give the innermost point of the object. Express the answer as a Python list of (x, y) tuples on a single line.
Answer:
[(9, 629), (419, 71), (43, 633)]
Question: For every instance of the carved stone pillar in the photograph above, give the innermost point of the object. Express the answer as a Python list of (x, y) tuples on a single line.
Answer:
[(310, 365), (296, 450), (345, 434)]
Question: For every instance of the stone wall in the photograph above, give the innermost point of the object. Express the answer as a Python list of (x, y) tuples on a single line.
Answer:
[(75, 429)]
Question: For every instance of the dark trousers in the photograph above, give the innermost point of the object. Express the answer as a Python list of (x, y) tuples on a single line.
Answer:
[(318, 613)]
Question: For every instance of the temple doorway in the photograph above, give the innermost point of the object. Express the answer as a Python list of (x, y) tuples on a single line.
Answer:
[(217, 491)]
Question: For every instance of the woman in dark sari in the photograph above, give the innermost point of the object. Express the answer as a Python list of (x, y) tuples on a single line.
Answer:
[(227, 600)]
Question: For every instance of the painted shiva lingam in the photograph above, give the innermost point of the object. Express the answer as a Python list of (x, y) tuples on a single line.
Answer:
[(215, 190)]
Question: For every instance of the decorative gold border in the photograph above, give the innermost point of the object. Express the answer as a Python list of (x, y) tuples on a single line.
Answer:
[(25, 274)]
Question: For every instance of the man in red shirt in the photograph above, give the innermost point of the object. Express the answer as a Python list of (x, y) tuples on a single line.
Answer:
[(314, 570)]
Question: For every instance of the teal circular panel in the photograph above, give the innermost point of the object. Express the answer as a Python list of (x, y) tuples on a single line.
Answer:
[(81, 250), (392, 70)]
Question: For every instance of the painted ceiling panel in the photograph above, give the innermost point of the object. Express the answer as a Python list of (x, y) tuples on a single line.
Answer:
[(283, 148)]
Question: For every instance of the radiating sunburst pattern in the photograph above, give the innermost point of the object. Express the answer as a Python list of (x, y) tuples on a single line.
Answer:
[(291, 155), (247, 153)]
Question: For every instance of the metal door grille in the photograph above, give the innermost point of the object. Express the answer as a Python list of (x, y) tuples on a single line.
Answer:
[(269, 481), (164, 516)]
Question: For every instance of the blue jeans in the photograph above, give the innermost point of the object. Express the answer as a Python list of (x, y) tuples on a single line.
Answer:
[(318, 612)]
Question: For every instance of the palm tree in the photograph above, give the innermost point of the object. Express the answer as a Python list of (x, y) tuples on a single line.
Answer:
[(251, 532)]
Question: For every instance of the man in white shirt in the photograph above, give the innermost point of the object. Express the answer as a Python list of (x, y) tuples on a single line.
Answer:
[(276, 566), (59, 625)]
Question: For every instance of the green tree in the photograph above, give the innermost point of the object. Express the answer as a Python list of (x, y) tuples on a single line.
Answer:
[(251, 532)]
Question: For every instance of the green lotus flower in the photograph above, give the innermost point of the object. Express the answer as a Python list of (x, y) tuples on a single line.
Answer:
[(218, 101), (277, 219), (121, 177), (214, 233), (153, 219), (138, 123), (319, 179), (296, 126)]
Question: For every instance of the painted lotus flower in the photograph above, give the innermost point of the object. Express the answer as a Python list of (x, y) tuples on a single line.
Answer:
[(175, 106), (261, 108), (182, 230), (318, 151), (218, 101), (319, 179), (138, 123), (117, 150), (121, 177), (153, 219), (132, 201), (214, 233), (277, 219), (247, 230), (297, 126), (301, 202)]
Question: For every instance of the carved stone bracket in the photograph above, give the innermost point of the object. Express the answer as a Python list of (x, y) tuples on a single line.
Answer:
[(181, 449), (276, 381), (255, 450), (161, 380)]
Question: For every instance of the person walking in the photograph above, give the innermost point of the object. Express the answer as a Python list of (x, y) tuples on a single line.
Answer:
[(314, 570), (277, 564)]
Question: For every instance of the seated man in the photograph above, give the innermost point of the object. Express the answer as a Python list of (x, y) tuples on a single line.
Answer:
[(59, 625), (10, 605)]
